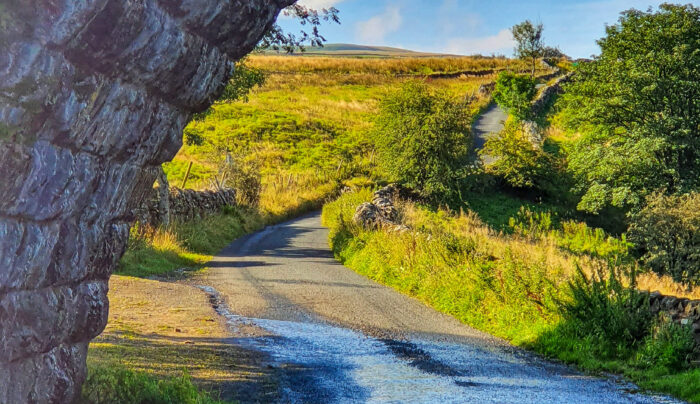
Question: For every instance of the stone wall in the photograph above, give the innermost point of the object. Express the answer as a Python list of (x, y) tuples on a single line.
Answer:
[(94, 95), (381, 213), (545, 96), (681, 311), (184, 205)]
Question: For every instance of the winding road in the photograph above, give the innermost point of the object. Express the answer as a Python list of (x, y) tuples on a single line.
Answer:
[(337, 337)]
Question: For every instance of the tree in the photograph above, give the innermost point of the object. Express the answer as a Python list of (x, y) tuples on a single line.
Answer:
[(514, 92), (423, 139), (515, 159), (637, 106), (530, 43), (276, 39), (667, 232)]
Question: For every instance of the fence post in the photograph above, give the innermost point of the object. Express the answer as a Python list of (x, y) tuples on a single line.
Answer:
[(187, 175)]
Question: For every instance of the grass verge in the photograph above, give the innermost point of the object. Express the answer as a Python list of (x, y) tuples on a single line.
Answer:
[(514, 287), (163, 342)]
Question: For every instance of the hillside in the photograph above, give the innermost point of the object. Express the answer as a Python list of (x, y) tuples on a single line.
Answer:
[(352, 50)]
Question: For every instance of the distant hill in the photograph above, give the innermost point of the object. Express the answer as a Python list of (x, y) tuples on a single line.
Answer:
[(351, 50)]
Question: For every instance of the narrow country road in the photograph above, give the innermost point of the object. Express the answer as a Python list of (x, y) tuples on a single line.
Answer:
[(490, 122), (337, 337)]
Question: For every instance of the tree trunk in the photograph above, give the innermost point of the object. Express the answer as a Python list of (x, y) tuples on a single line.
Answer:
[(94, 96)]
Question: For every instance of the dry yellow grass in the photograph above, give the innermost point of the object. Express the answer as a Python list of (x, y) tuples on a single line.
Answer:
[(560, 264), (407, 65)]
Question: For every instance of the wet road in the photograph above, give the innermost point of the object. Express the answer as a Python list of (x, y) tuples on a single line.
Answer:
[(336, 336)]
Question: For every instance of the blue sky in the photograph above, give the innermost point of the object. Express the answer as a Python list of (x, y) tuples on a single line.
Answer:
[(471, 26)]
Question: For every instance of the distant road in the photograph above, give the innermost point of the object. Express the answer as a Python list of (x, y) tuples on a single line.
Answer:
[(334, 336), (490, 122)]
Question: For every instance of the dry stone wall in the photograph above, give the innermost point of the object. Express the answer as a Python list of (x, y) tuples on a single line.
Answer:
[(94, 95), (544, 98), (381, 213), (680, 310), (185, 205)]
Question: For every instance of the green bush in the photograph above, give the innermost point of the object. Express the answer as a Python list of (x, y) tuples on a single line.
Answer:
[(516, 159), (423, 138), (603, 309), (122, 386), (667, 232), (514, 92), (669, 345)]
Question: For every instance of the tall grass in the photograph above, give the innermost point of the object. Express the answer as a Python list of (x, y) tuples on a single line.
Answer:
[(312, 127)]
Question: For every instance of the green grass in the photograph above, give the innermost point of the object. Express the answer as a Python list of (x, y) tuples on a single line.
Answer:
[(189, 244), (496, 208), (511, 286), (119, 385)]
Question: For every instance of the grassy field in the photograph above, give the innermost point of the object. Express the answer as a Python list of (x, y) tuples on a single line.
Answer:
[(385, 66), (307, 126), (512, 285)]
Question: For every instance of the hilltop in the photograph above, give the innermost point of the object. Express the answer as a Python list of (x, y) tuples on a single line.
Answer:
[(352, 50)]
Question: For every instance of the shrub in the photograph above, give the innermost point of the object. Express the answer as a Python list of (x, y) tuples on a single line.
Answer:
[(669, 345), (667, 232), (423, 138), (601, 307), (514, 92), (516, 159), (244, 176)]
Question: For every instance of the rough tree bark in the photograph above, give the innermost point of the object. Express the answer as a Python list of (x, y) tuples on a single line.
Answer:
[(94, 95)]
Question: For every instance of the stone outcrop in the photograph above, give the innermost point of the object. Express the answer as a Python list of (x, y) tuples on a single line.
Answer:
[(381, 213), (94, 95), (184, 205)]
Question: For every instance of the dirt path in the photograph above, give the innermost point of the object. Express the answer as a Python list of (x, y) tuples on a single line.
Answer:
[(332, 335)]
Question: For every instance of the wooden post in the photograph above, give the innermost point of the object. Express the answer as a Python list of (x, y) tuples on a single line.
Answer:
[(164, 198), (187, 175)]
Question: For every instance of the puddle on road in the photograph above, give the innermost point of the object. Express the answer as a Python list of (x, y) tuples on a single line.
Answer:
[(322, 363)]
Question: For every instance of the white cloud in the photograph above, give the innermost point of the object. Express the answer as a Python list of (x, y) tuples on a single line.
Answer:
[(500, 43), (378, 27), (318, 4)]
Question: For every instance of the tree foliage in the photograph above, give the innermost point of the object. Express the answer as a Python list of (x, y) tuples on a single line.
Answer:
[(667, 231), (277, 39), (423, 138), (638, 108), (514, 93), (529, 42), (516, 160)]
